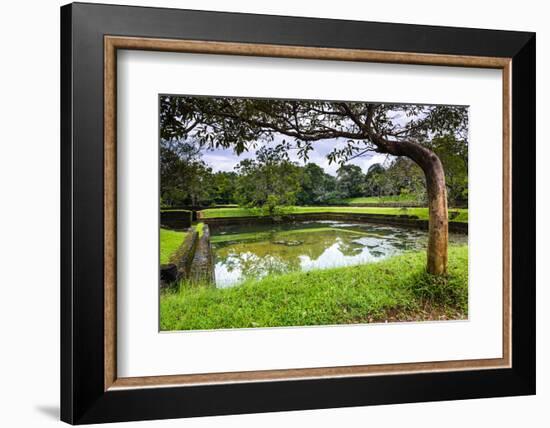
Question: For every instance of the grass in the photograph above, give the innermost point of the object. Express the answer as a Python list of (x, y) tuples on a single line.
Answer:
[(199, 227), (380, 199), (455, 214), (173, 210), (396, 289), (170, 240)]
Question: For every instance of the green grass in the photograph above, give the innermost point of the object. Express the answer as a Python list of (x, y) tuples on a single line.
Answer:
[(173, 210), (455, 214), (380, 199), (394, 289), (170, 240), (199, 227)]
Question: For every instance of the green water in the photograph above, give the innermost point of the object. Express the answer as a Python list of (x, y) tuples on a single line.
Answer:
[(254, 251)]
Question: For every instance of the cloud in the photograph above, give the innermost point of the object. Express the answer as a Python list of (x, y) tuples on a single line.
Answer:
[(221, 159)]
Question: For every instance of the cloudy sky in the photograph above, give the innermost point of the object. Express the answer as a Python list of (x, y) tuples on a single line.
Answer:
[(226, 159)]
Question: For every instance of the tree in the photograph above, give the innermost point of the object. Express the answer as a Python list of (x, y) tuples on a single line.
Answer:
[(223, 187), (316, 186), (406, 178), (185, 178), (350, 180), (269, 181), (453, 153), (373, 180), (395, 129)]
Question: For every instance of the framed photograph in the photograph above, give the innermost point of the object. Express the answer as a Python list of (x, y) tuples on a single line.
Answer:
[(266, 213)]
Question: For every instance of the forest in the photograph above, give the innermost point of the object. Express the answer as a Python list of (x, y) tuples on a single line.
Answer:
[(272, 180)]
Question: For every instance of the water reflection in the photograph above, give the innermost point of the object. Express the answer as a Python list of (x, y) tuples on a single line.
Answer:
[(243, 252)]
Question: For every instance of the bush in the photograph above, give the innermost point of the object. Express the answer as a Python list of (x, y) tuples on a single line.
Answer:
[(176, 219)]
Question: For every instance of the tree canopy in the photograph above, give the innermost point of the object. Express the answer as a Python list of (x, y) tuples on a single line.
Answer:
[(241, 123), (269, 181)]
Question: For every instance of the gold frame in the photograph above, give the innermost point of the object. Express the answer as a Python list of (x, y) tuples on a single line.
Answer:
[(113, 43)]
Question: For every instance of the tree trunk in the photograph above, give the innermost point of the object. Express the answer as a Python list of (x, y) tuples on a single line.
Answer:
[(438, 234)]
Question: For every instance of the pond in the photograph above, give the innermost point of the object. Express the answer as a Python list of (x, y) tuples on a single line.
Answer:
[(253, 251)]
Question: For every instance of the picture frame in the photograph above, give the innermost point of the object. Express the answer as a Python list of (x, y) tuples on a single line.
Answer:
[(91, 35)]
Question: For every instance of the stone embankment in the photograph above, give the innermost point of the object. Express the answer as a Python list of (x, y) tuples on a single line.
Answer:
[(390, 220), (192, 261)]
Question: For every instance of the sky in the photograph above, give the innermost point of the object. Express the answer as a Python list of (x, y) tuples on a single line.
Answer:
[(225, 159)]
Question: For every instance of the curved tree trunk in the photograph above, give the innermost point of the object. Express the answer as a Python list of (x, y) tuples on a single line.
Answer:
[(438, 234)]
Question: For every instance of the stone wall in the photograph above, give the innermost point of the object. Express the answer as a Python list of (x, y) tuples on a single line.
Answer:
[(193, 261), (391, 220), (202, 267), (180, 262)]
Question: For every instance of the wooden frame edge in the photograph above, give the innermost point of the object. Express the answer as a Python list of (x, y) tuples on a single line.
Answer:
[(112, 43), (507, 212), (301, 52), (299, 374), (110, 224)]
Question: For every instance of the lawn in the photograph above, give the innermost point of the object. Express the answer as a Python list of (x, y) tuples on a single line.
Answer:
[(396, 289), (199, 227), (380, 199), (455, 214), (170, 240)]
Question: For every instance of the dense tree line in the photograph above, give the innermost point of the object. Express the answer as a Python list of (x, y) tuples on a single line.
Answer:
[(271, 179)]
